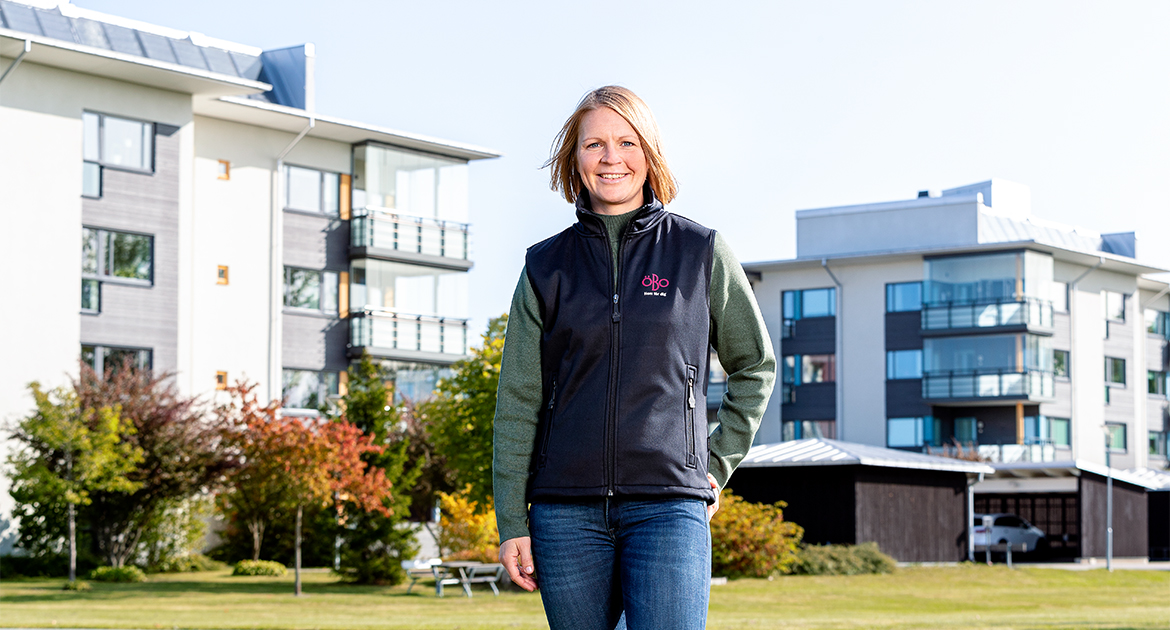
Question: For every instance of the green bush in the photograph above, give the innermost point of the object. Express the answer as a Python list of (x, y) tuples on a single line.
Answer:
[(259, 567), (752, 539), (44, 565), (76, 585), (190, 563), (117, 574), (842, 560)]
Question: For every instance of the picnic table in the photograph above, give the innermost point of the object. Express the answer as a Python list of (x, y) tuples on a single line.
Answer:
[(463, 573)]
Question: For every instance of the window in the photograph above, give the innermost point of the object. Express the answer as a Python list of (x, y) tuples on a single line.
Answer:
[(1059, 430), (1114, 306), (221, 380), (813, 368), (105, 359), (809, 303), (817, 368), (1060, 296), (223, 170), (111, 142), (966, 430), (1115, 436), (308, 389), (108, 256), (903, 364), (1157, 322), (903, 296), (1060, 363), (410, 183), (310, 289), (221, 274), (310, 190), (1157, 441), (1115, 371), (1156, 382), (806, 429), (913, 432)]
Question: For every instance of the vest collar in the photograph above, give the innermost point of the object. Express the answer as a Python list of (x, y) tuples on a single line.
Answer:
[(645, 217)]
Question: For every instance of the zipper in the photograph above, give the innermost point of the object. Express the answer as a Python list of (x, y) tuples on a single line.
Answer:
[(692, 459), (614, 368), (552, 402)]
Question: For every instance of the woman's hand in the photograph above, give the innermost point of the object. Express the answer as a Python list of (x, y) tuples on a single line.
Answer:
[(714, 507), (516, 556)]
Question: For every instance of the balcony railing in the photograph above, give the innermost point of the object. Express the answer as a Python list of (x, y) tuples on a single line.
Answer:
[(988, 384), (1032, 451), (373, 227), (1029, 312), (374, 328)]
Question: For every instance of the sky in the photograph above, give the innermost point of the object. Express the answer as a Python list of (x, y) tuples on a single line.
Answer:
[(765, 107)]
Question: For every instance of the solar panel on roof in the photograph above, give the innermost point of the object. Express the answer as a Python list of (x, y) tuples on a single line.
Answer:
[(55, 25), (21, 18), (122, 39), (157, 47), (188, 53), (90, 33), (247, 66), (219, 61)]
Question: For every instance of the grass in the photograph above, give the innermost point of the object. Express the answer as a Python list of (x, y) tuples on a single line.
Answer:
[(969, 596)]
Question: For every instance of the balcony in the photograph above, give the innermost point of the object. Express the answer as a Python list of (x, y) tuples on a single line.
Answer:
[(378, 233), (402, 336), (1029, 314), (1031, 451), (984, 384)]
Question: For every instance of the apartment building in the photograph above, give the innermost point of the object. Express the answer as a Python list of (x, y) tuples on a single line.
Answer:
[(958, 318), (177, 201)]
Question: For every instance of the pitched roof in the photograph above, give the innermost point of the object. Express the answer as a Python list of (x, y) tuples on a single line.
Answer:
[(823, 452)]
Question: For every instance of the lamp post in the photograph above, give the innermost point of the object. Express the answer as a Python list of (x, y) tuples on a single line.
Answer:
[(1108, 503)]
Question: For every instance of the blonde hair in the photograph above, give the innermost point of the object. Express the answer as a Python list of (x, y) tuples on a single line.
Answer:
[(563, 159)]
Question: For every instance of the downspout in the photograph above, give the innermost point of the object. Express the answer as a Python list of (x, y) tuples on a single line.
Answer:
[(840, 345), (275, 288), (16, 62), (1072, 338)]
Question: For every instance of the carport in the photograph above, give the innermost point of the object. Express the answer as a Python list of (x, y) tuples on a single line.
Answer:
[(1159, 507), (1068, 501), (913, 506)]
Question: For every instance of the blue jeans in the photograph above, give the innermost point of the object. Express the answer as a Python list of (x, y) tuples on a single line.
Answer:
[(621, 564)]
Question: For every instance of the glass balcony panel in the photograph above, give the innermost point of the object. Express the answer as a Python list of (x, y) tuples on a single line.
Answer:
[(1013, 385), (988, 315), (430, 338), (410, 183), (401, 287), (401, 331), (417, 235)]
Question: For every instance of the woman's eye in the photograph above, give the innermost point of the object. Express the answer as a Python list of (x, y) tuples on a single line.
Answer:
[(629, 143), (592, 145)]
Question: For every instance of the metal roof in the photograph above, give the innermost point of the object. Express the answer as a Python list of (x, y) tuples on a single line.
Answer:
[(74, 25), (1074, 468), (823, 452), (1156, 479)]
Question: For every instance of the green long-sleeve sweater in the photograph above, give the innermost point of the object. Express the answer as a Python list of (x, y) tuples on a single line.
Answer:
[(738, 335)]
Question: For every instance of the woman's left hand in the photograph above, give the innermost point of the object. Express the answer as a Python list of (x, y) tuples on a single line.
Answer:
[(714, 507)]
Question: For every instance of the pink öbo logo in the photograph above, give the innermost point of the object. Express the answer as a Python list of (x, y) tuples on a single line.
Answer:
[(654, 282)]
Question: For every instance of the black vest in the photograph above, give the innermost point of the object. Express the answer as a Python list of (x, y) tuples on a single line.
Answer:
[(625, 373)]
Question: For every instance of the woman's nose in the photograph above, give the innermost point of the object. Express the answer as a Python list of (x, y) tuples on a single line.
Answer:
[(610, 156)]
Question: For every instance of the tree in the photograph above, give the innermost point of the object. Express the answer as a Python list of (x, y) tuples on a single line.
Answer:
[(69, 452), (460, 416), (181, 454), (373, 543), (300, 462)]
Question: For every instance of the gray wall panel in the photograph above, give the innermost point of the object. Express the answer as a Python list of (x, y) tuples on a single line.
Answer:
[(904, 399), (314, 343), (904, 330), (1157, 355), (1061, 327), (316, 242), (814, 401), (143, 317), (1061, 407), (813, 335)]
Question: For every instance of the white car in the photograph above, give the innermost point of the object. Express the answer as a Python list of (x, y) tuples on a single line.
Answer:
[(1000, 529)]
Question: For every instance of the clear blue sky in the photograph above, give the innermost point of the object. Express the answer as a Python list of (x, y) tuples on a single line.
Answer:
[(766, 107)]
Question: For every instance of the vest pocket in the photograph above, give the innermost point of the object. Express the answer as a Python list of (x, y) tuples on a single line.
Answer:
[(692, 375), (548, 420)]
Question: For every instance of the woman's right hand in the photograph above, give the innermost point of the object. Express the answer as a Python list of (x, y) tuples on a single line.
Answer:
[(516, 556)]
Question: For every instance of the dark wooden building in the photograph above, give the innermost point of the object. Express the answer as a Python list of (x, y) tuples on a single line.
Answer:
[(913, 506), (1067, 500)]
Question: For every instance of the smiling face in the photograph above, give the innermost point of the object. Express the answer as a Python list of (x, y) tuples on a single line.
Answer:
[(611, 162)]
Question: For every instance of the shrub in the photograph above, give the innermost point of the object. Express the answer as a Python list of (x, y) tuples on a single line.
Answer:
[(44, 565), (127, 573), (467, 533), (752, 539), (259, 567), (189, 563), (842, 560), (76, 585)]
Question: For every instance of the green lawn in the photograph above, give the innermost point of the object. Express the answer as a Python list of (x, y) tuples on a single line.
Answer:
[(973, 596)]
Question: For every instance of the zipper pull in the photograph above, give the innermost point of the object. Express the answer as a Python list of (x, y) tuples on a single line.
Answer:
[(617, 315), (690, 393)]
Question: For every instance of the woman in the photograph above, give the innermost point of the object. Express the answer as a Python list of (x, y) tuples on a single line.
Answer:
[(601, 416)]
